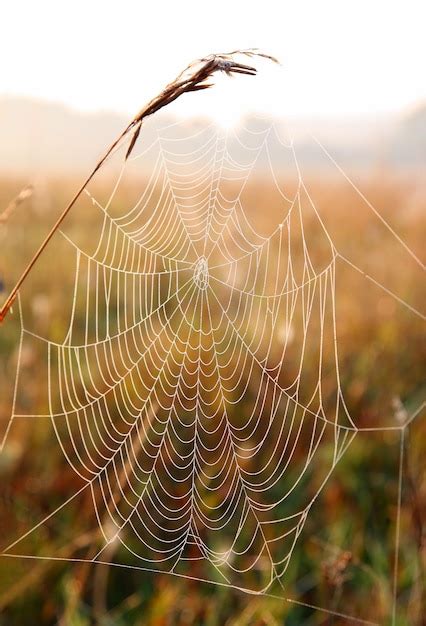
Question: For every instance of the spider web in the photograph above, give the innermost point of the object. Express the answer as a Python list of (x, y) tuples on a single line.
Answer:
[(194, 382)]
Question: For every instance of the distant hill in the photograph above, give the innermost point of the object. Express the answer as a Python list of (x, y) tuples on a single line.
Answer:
[(43, 137), (407, 141)]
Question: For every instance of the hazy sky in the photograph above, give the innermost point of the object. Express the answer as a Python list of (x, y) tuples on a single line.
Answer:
[(338, 56)]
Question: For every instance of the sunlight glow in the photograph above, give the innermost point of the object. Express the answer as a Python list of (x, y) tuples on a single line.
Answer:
[(92, 56)]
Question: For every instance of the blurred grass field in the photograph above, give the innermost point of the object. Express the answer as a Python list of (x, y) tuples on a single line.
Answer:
[(344, 559)]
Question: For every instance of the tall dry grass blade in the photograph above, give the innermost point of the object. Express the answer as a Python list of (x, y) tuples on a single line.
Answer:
[(194, 78), (23, 195)]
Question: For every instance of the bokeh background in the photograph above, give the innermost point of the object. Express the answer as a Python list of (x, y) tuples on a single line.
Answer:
[(352, 76)]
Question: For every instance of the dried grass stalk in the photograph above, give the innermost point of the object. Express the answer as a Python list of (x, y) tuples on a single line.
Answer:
[(23, 195), (195, 77)]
